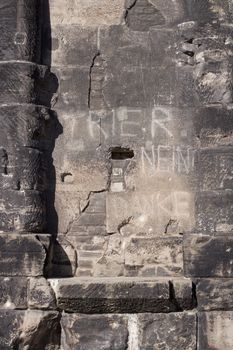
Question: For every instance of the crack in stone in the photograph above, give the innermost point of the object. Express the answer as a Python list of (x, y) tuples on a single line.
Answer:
[(90, 79)]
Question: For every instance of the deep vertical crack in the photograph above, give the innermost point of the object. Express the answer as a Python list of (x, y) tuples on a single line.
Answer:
[(90, 78)]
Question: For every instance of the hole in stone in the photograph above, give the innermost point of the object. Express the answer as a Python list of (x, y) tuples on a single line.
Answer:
[(64, 175), (189, 53), (190, 41), (120, 153)]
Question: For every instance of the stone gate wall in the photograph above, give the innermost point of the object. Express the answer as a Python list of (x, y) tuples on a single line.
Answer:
[(116, 175)]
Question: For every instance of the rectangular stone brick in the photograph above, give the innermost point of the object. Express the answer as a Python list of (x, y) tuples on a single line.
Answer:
[(94, 332), (72, 46), (13, 292), (215, 294), (173, 331), (29, 329), (106, 295), (208, 256), (165, 253), (22, 255), (214, 209)]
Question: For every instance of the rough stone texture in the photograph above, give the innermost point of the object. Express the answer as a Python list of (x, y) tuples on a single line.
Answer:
[(29, 330), (20, 32), (215, 330), (40, 294), (94, 332), (88, 13), (208, 256), (172, 331), (120, 295), (131, 175), (22, 255), (214, 294), (144, 331), (13, 292)]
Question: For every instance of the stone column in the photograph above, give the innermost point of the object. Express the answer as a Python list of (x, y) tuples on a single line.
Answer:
[(24, 117)]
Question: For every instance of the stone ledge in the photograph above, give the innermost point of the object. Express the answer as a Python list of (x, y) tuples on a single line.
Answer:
[(123, 295)]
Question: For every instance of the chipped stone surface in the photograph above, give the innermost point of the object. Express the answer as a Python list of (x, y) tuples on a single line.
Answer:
[(29, 329), (40, 294), (98, 295), (107, 295), (94, 332), (13, 293), (172, 331)]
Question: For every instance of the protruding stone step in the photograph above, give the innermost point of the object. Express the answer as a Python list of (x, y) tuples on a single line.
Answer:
[(123, 295)]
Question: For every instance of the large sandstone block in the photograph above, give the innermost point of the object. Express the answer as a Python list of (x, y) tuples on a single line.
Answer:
[(25, 125), (215, 294), (22, 211), (215, 330), (214, 208), (73, 89), (71, 46), (97, 332), (35, 330), (26, 83), (96, 295), (106, 295), (20, 30), (40, 294), (23, 255), (208, 256), (142, 332), (13, 292), (155, 256), (87, 13), (170, 332), (213, 126)]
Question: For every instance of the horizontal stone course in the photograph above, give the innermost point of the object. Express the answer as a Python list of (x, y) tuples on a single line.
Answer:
[(106, 295), (174, 331)]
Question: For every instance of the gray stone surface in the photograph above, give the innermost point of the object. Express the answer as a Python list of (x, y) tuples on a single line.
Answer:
[(19, 30), (172, 331), (98, 332), (29, 330), (13, 293), (214, 294), (208, 256), (92, 295), (22, 255), (40, 294), (215, 330), (131, 174), (109, 296)]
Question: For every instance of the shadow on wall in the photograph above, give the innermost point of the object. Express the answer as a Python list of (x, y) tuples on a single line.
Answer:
[(60, 265), (50, 86)]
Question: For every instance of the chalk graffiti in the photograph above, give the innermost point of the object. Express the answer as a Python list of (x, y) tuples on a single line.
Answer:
[(168, 159)]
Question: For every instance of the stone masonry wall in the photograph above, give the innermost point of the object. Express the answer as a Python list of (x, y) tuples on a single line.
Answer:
[(116, 175)]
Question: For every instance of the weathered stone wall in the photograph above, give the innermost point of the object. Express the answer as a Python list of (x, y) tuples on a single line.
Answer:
[(116, 174)]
